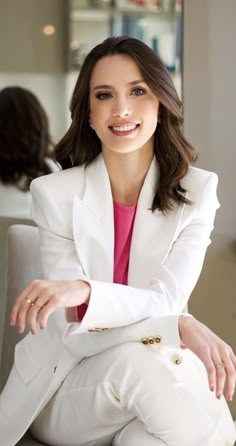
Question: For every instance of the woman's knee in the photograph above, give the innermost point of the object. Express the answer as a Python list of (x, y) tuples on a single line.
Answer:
[(134, 434)]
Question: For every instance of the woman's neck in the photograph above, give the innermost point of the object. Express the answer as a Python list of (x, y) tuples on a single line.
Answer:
[(127, 172)]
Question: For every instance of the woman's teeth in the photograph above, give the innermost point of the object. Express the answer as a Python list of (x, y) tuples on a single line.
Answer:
[(124, 128)]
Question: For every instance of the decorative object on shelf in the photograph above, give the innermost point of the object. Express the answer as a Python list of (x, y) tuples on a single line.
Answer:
[(144, 2), (168, 5)]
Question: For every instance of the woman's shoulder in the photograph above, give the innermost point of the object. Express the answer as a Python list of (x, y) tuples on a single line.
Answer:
[(53, 198), (69, 182), (60, 182), (201, 186), (197, 178)]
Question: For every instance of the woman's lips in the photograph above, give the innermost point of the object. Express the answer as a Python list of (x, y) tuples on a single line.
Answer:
[(123, 130)]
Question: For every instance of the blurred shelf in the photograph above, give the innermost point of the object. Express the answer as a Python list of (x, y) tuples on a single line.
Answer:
[(164, 7), (78, 13)]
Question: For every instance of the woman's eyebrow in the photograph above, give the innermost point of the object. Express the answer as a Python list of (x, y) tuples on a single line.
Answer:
[(109, 87)]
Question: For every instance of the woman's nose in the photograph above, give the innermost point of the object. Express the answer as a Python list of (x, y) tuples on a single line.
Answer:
[(121, 109)]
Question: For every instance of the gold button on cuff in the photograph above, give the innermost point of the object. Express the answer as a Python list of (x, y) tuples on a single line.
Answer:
[(177, 359), (158, 339), (151, 340)]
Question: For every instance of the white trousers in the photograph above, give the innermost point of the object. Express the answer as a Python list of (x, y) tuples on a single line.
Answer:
[(131, 395)]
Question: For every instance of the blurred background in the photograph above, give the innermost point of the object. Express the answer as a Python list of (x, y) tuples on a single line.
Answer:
[(42, 46)]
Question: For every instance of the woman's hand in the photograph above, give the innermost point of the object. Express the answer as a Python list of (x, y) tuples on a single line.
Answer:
[(42, 297), (217, 356)]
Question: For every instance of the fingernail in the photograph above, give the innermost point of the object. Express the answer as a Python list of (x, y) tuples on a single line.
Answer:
[(212, 388), (219, 396), (229, 397), (12, 322)]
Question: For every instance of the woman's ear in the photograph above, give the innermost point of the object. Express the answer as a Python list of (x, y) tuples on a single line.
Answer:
[(90, 123)]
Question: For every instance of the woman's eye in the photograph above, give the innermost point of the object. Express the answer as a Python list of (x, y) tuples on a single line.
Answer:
[(103, 96), (138, 91)]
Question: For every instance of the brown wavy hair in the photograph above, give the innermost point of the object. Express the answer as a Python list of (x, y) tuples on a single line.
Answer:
[(25, 140), (174, 154)]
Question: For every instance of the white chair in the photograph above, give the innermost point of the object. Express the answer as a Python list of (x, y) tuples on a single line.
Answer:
[(5, 223), (22, 267)]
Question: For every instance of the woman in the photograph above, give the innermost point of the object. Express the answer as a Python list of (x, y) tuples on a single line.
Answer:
[(25, 149), (123, 238)]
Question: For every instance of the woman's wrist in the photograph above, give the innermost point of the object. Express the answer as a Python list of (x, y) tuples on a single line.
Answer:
[(184, 320), (86, 290)]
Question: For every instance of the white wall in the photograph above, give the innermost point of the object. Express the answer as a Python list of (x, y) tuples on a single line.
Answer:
[(210, 95), (210, 123)]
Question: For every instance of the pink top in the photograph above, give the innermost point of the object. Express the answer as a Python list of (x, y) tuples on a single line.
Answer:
[(123, 221)]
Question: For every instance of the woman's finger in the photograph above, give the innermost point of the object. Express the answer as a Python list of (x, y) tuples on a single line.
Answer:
[(45, 312), (230, 369), (34, 312), (23, 296), (24, 303), (220, 376), (211, 372), (22, 314), (233, 359)]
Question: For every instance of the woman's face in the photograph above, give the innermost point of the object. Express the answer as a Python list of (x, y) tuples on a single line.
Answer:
[(123, 109)]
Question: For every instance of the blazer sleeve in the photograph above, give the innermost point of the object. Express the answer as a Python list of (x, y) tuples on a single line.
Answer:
[(113, 305)]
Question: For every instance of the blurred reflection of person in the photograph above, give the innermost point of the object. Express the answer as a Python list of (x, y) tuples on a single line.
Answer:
[(144, 2), (25, 149)]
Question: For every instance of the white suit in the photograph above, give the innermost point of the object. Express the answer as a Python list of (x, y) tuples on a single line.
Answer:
[(74, 211)]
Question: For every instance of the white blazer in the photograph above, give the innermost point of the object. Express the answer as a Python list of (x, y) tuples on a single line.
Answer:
[(74, 211)]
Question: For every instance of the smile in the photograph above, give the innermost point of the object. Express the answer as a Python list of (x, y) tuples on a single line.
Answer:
[(124, 128)]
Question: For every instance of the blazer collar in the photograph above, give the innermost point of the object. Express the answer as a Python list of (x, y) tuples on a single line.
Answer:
[(97, 196), (93, 223)]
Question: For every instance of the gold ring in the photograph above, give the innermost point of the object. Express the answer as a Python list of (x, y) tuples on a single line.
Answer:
[(220, 365), (29, 301)]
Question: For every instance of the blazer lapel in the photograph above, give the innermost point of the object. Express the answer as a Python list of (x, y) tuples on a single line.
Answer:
[(93, 224), (153, 234)]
